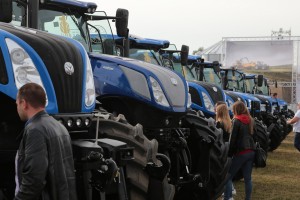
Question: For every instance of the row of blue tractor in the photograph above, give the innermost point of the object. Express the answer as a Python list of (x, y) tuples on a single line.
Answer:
[(141, 50), (135, 115), (270, 113), (240, 86)]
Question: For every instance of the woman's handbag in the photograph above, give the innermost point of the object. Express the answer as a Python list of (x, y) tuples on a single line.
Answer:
[(260, 158)]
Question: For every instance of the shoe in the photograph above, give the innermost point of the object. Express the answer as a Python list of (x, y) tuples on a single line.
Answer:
[(233, 191)]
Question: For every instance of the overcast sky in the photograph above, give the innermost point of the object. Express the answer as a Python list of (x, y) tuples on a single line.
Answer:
[(199, 23)]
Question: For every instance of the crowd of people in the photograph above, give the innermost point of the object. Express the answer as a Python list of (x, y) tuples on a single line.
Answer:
[(238, 131), (46, 148)]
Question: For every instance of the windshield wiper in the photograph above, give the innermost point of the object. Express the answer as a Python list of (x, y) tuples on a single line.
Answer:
[(77, 24)]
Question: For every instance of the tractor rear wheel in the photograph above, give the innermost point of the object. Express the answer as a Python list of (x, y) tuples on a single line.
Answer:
[(145, 152), (209, 158)]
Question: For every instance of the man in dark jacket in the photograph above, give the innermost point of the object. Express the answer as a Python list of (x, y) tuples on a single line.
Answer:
[(44, 161)]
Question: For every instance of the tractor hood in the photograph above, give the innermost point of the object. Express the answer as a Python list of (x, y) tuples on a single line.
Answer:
[(248, 98), (57, 63), (281, 102), (205, 96), (271, 103), (139, 80)]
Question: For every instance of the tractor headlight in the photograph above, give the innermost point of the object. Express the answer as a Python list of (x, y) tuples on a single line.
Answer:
[(18, 55), (158, 93), (230, 104), (249, 103), (23, 67), (207, 102), (263, 107), (90, 95), (78, 122), (274, 108), (281, 108), (87, 122), (189, 103)]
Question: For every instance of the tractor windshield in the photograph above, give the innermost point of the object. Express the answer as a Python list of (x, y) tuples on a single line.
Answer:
[(250, 85), (235, 81), (145, 55), (210, 76), (52, 20), (66, 24), (93, 35), (189, 74), (264, 88)]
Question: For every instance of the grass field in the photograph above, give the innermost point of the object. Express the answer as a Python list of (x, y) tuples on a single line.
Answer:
[(280, 180)]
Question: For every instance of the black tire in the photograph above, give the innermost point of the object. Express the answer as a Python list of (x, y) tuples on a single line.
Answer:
[(261, 135), (276, 133), (145, 151), (291, 113), (287, 128), (209, 158)]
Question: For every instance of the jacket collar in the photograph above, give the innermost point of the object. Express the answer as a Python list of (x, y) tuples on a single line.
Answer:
[(36, 116), (243, 118)]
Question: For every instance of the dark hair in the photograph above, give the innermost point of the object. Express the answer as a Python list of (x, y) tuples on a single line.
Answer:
[(33, 94), (274, 94), (239, 108)]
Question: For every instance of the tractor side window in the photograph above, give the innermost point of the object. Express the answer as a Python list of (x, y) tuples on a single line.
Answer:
[(18, 17), (3, 73)]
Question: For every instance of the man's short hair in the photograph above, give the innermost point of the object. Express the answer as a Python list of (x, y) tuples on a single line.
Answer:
[(33, 94), (274, 94)]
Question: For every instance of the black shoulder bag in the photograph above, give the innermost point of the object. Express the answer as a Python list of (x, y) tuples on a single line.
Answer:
[(260, 158)]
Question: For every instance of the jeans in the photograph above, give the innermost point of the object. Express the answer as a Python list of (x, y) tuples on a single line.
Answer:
[(297, 140), (245, 163)]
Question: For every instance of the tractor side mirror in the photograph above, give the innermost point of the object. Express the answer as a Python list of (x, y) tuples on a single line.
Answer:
[(260, 80), (6, 11), (184, 55), (122, 22), (216, 66)]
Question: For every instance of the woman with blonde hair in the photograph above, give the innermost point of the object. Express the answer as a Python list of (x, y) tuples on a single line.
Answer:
[(241, 148), (223, 120)]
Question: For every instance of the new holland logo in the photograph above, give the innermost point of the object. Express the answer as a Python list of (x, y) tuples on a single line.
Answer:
[(215, 89), (174, 81), (69, 69)]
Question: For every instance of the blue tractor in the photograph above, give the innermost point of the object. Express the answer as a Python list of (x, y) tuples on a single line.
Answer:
[(147, 95), (204, 95), (276, 107), (62, 66), (252, 87), (147, 50), (23, 59)]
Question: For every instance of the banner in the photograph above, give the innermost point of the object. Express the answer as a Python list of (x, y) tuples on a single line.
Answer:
[(273, 58)]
